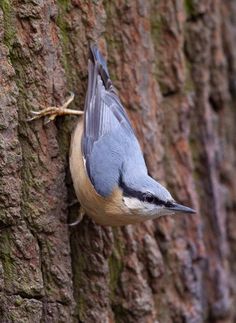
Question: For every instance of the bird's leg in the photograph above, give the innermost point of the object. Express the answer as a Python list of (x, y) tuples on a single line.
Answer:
[(80, 217), (53, 112)]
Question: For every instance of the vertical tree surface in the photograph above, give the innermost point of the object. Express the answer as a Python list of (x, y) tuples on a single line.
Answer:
[(174, 64)]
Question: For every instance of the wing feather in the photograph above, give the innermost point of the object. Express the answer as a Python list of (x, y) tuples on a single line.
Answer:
[(104, 112), (103, 109)]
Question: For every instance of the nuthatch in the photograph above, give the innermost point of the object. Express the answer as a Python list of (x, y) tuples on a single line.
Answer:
[(106, 162)]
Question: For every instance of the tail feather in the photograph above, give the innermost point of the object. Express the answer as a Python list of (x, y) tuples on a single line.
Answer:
[(102, 66)]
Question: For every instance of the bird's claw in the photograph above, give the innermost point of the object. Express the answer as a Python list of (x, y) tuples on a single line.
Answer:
[(79, 219), (52, 112)]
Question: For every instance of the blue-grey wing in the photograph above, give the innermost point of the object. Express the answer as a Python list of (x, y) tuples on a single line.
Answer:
[(109, 143)]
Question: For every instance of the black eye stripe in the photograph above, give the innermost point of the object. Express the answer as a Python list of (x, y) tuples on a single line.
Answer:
[(145, 197), (168, 204), (156, 201), (148, 197)]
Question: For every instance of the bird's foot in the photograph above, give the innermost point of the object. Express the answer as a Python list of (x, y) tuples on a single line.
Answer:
[(52, 112), (80, 218)]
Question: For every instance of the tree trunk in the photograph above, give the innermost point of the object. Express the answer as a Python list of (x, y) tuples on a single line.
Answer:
[(174, 64)]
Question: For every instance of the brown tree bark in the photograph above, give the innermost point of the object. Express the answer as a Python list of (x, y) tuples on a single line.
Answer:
[(174, 64)]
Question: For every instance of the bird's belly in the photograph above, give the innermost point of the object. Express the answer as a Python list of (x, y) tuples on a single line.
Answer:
[(104, 210)]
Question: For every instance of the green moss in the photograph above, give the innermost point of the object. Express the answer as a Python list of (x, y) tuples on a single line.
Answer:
[(115, 263), (5, 254), (114, 41), (189, 7), (62, 23), (156, 26), (64, 4), (80, 307), (115, 268), (195, 149), (189, 84), (19, 301), (79, 264), (9, 31)]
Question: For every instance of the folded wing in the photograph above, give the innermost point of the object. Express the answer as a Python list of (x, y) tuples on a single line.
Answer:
[(107, 129)]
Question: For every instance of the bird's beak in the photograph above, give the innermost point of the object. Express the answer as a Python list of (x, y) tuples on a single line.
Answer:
[(181, 208)]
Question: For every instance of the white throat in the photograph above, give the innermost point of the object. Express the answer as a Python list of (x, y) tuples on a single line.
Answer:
[(145, 209)]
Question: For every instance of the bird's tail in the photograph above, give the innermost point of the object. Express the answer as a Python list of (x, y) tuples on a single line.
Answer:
[(102, 65)]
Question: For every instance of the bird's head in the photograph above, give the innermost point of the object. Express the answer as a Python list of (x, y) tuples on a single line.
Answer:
[(147, 197)]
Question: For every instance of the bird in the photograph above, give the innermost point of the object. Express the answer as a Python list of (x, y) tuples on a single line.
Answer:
[(107, 165)]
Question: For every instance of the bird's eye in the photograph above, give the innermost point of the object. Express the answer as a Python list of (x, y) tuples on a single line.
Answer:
[(148, 197)]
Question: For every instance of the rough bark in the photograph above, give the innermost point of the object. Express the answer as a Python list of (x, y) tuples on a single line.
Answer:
[(174, 64)]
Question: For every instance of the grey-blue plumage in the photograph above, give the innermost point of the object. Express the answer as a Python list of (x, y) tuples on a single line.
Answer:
[(111, 150), (106, 162), (112, 154), (110, 177)]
